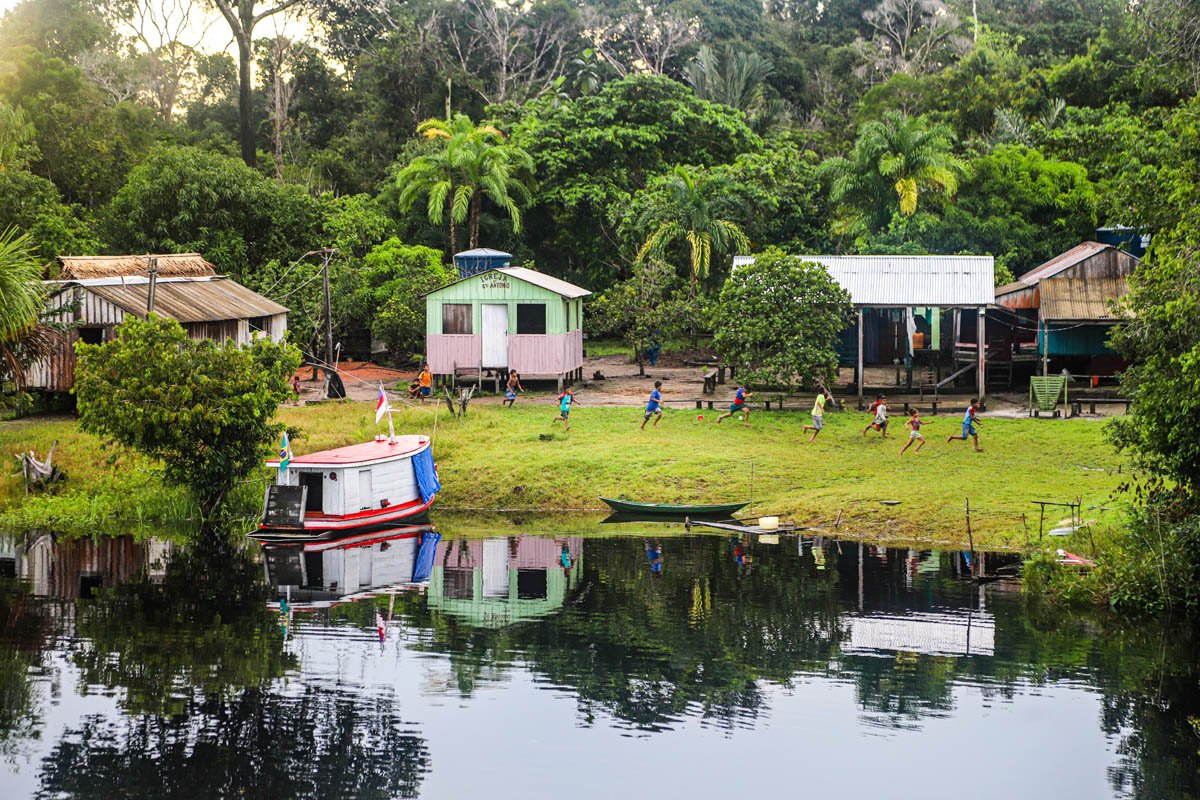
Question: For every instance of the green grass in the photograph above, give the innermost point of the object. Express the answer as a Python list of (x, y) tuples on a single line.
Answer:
[(496, 459)]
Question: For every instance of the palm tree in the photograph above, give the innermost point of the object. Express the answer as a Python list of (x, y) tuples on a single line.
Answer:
[(690, 215), (734, 77), (23, 337), (894, 160), (470, 163)]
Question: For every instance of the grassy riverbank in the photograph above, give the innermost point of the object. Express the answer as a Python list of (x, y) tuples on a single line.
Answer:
[(496, 458)]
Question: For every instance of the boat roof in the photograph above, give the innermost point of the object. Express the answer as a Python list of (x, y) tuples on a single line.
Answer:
[(358, 454)]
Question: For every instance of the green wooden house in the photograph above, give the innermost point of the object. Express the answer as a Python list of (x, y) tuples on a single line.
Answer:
[(504, 319)]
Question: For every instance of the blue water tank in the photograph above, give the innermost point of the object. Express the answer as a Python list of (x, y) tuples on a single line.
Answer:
[(1128, 239), (481, 259)]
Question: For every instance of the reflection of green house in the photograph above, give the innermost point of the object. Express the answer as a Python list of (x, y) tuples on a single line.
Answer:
[(493, 583)]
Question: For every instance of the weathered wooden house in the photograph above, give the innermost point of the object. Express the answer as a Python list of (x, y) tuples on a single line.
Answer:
[(911, 305), (1062, 312), (503, 319), (95, 294)]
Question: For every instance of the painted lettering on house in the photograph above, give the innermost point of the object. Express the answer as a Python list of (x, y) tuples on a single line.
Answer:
[(495, 282)]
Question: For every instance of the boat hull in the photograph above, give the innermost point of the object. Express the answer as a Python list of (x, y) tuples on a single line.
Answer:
[(414, 513), (672, 509)]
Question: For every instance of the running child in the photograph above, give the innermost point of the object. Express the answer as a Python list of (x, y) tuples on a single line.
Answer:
[(565, 400), (738, 406), (914, 423), (970, 420), (880, 421), (514, 386), (653, 406), (818, 414)]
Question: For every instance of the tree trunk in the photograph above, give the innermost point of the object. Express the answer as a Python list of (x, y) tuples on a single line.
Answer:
[(453, 231), (476, 206), (245, 94)]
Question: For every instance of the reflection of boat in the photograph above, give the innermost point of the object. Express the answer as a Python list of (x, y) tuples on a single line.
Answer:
[(352, 488), (332, 568), (619, 517), (673, 509)]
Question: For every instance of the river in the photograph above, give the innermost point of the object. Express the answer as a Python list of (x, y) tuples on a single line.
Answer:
[(579, 665)]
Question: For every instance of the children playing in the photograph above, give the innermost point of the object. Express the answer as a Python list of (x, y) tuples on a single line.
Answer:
[(511, 389), (739, 406), (880, 420), (970, 420), (914, 424), (818, 413), (653, 406), (564, 409)]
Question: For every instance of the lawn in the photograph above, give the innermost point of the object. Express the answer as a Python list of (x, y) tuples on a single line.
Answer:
[(498, 458)]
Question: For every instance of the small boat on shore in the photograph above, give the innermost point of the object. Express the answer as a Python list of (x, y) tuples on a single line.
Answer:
[(673, 509), (351, 489)]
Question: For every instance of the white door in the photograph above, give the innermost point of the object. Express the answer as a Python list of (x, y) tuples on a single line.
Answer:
[(495, 335), (366, 490)]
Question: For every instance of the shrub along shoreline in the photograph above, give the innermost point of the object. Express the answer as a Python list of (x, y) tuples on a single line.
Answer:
[(497, 459)]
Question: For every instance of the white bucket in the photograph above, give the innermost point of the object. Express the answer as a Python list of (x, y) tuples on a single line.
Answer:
[(768, 523)]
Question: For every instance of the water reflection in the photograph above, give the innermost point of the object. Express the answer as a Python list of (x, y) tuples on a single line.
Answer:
[(174, 679)]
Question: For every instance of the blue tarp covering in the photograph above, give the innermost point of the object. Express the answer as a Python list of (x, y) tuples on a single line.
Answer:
[(427, 480), (424, 563)]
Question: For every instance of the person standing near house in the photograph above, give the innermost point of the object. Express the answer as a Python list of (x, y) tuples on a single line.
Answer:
[(970, 420), (565, 401), (426, 381), (818, 413), (653, 406), (739, 405), (514, 386), (914, 424)]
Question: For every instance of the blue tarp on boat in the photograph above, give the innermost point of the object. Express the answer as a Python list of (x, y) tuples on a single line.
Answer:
[(427, 480), (424, 563)]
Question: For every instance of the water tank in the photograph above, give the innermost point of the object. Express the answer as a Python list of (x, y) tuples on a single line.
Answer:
[(481, 259)]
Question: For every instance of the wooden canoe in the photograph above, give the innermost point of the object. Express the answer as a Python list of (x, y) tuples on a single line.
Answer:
[(672, 509)]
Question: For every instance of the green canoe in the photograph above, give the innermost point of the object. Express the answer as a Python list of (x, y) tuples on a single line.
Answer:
[(672, 509)]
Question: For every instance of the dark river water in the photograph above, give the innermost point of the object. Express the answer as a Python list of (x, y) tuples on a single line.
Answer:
[(577, 666)]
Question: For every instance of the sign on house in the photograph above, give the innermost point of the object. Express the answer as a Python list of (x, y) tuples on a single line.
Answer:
[(495, 281)]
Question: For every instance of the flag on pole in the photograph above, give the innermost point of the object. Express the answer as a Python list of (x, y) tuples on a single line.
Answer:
[(381, 405), (285, 453)]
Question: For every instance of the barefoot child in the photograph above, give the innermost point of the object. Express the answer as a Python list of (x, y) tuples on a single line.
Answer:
[(970, 420), (426, 381), (564, 408), (818, 414), (514, 386), (653, 406), (739, 406), (880, 420), (914, 424)]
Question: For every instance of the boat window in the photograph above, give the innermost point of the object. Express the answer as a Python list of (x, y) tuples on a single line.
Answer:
[(531, 318), (456, 318), (313, 501)]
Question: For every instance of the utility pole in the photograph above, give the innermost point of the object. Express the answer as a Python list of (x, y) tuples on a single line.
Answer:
[(328, 252), (153, 282)]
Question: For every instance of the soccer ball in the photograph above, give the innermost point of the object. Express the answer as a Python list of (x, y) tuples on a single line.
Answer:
[(699, 417)]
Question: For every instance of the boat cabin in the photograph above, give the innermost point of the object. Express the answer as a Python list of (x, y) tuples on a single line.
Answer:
[(357, 486)]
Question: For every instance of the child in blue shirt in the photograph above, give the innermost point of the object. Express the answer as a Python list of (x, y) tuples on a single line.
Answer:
[(970, 420), (653, 406), (738, 406), (564, 409)]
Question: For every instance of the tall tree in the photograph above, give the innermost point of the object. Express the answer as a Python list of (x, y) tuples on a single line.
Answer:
[(22, 335), (468, 162), (242, 17), (894, 160), (692, 215)]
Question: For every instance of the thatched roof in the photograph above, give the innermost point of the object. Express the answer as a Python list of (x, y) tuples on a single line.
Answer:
[(176, 265)]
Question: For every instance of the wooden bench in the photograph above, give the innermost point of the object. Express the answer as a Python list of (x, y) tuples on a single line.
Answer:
[(710, 381)]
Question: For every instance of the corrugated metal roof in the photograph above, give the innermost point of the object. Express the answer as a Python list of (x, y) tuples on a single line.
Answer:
[(899, 281), (556, 285), (1080, 299), (169, 265), (480, 252), (1063, 261), (188, 300)]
